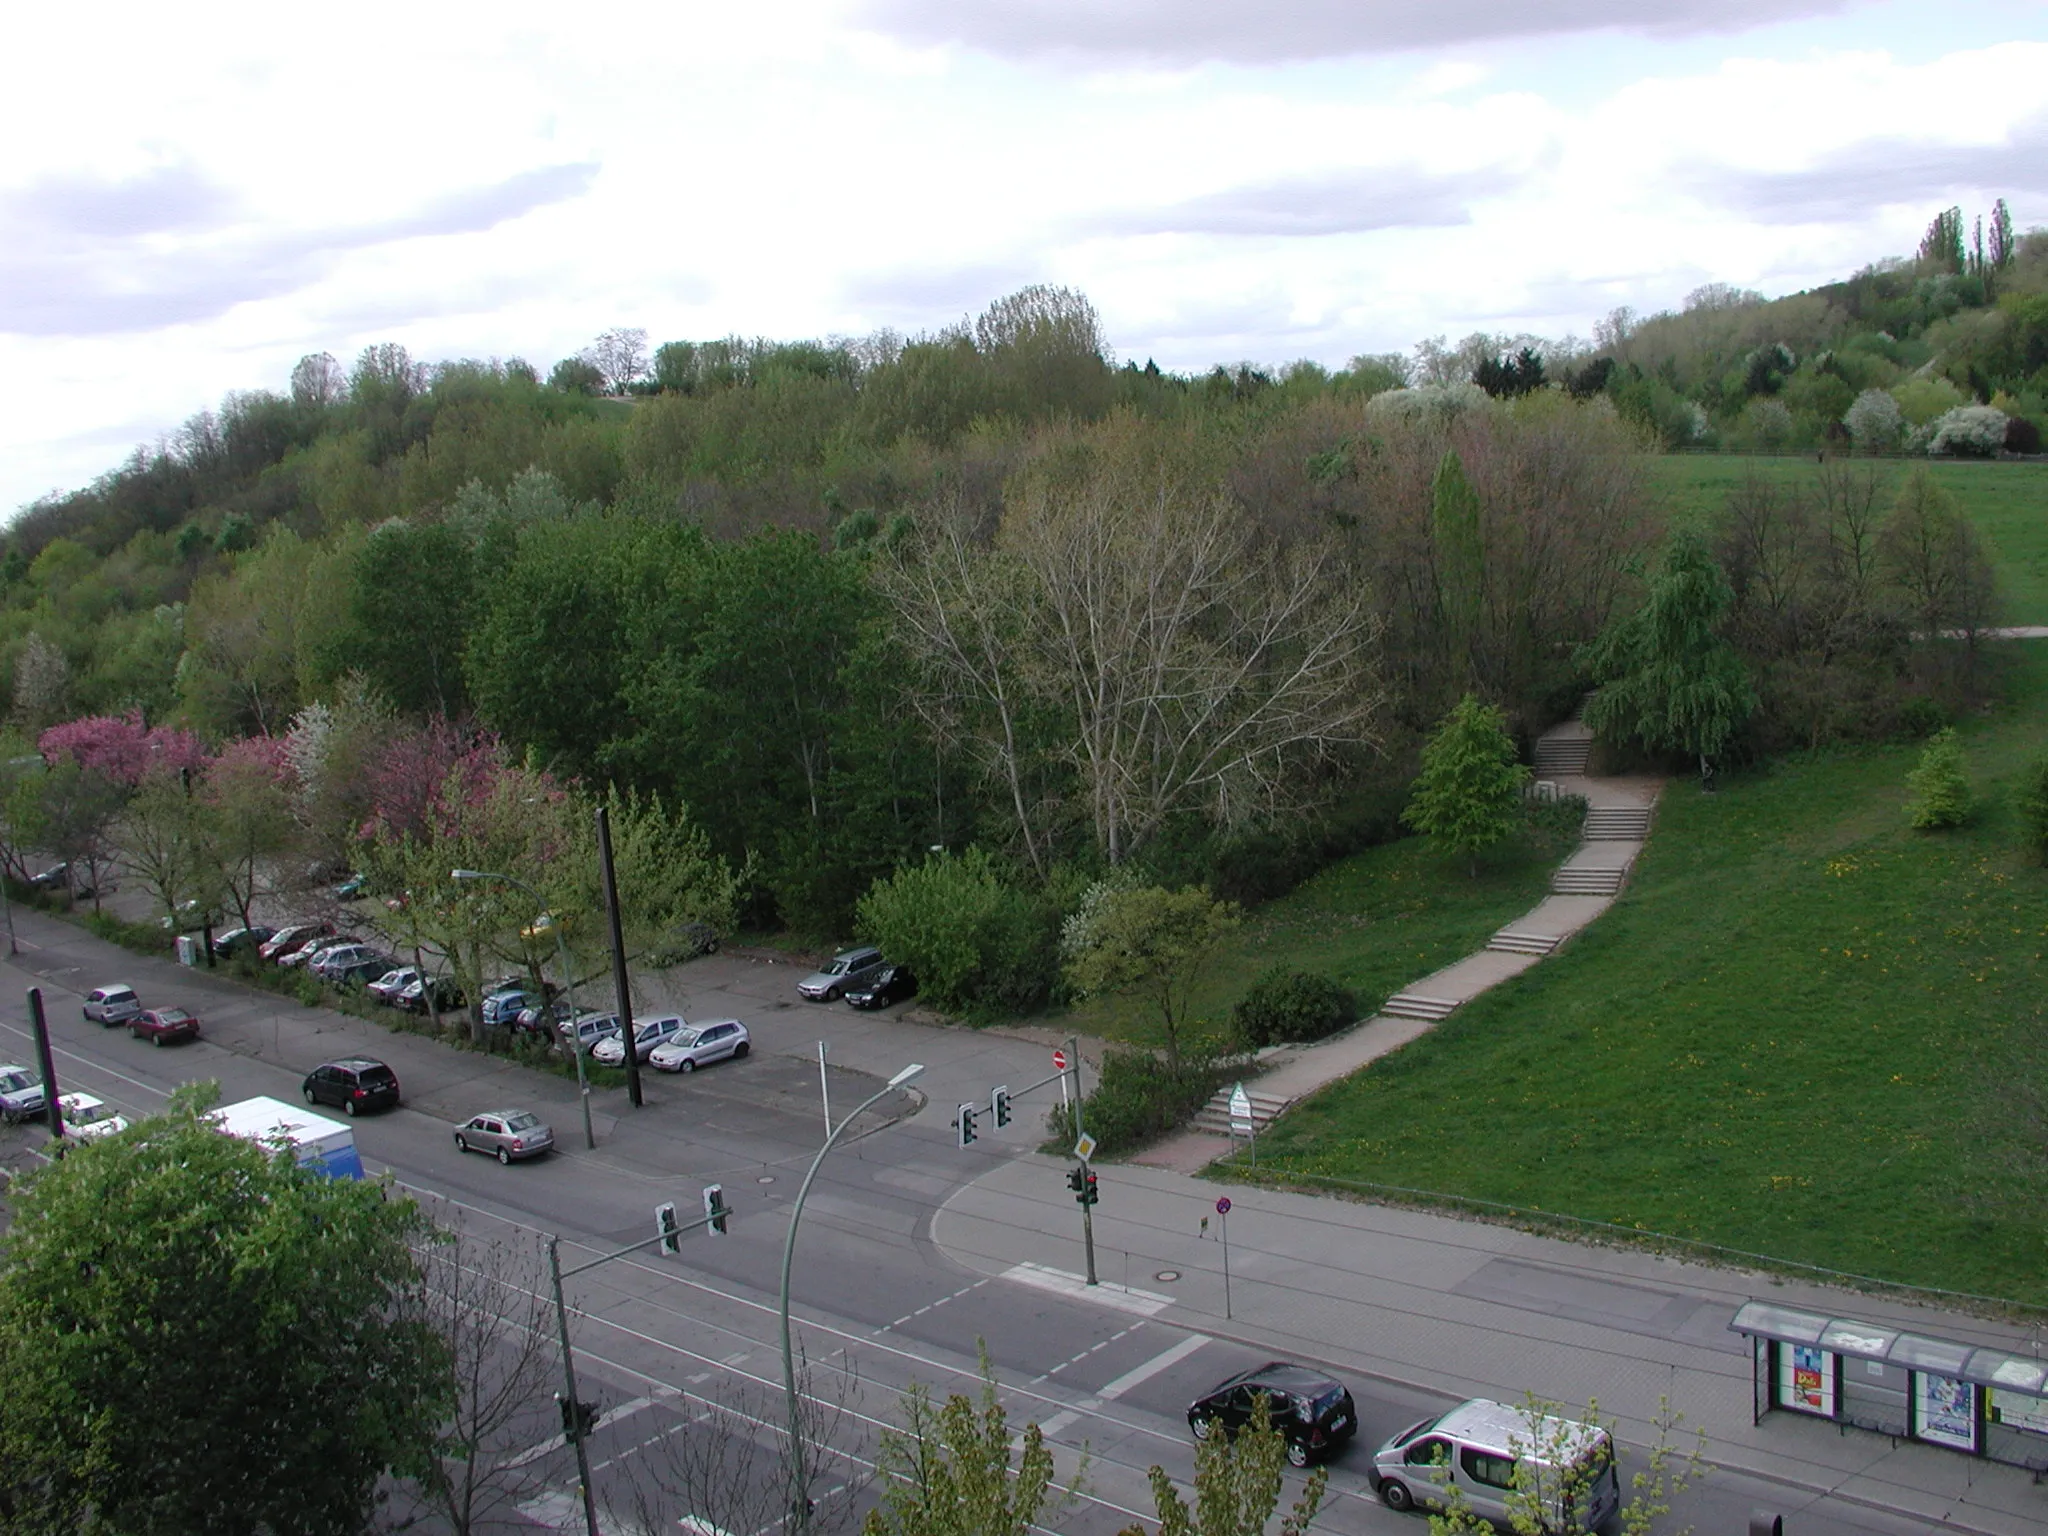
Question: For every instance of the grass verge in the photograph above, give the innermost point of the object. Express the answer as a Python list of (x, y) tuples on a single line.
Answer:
[(1805, 1032)]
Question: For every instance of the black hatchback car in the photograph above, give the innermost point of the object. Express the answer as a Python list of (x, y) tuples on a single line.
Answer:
[(890, 984), (1313, 1413), (352, 1086)]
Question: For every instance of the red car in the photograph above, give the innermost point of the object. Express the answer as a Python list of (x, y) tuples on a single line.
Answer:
[(159, 1025)]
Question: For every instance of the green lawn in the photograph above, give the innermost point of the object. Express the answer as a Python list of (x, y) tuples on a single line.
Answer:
[(2008, 500), (1375, 922), (1797, 1035)]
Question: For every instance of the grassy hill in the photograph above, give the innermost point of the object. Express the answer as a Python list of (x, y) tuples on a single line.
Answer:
[(1805, 1032), (2009, 502)]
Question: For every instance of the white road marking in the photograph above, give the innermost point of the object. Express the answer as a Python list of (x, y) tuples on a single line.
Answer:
[(1152, 1367), (1124, 1298)]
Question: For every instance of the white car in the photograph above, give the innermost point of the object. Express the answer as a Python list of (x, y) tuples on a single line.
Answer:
[(21, 1094), (387, 987), (648, 1035), (114, 1004), (701, 1044), (87, 1118)]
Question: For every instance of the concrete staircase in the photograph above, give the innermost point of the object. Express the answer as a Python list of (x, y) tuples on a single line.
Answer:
[(1587, 882), (1510, 942), (1617, 824), (1413, 1005), (1561, 755), (1214, 1116)]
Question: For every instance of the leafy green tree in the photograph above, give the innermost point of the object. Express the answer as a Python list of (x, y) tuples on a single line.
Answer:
[(408, 613), (244, 819), (159, 843), (1670, 681), (971, 938), (1940, 784), (229, 1323), (1468, 796), (2030, 797), (950, 1469), (1237, 1486), (1147, 940)]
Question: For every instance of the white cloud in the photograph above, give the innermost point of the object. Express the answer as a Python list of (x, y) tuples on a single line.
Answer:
[(233, 195)]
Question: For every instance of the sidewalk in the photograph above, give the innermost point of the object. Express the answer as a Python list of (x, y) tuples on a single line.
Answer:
[(1468, 1309)]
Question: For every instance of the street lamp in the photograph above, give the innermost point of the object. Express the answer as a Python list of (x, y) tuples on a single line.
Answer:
[(800, 1513), (568, 987)]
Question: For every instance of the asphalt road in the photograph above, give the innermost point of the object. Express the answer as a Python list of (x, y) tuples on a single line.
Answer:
[(671, 1344)]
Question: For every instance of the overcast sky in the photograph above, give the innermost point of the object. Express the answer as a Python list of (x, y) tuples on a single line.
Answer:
[(196, 196)]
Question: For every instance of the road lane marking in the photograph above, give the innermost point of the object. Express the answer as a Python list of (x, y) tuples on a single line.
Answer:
[(929, 1306), (1122, 1297), (1159, 1362)]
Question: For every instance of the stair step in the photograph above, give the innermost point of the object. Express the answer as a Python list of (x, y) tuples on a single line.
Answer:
[(1632, 825), (1587, 882), (1509, 942), (1555, 760), (1214, 1116), (1413, 1005)]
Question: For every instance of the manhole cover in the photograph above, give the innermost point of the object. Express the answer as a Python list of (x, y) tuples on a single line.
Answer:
[(1167, 1274), (766, 1178)]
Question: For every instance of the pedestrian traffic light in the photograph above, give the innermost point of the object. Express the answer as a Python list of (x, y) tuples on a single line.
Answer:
[(999, 1107), (966, 1123), (671, 1232), (1089, 1194), (578, 1419), (715, 1208), (1077, 1178)]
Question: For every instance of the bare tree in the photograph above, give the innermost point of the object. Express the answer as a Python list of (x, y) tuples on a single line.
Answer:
[(488, 1298), (726, 1460), (620, 354)]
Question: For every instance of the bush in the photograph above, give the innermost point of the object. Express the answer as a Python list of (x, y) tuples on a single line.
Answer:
[(1941, 790), (2022, 435), (1139, 1098), (1875, 421), (1920, 717), (1285, 1006), (974, 942), (2030, 798), (1969, 431)]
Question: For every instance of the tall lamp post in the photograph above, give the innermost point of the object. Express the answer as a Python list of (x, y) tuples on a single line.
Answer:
[(568, 985), (800, 1511)]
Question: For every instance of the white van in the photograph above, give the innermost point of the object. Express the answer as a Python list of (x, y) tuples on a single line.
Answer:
[(1494, 1460)]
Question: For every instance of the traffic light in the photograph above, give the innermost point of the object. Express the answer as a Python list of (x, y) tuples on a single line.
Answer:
[(999, 1107), (1077, 1178), (966, 1123), (671, 1233), (1089, 1194), (716, 1209), (578, 1419)]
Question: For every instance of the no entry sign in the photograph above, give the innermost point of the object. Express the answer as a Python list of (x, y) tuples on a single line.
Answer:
[(1059, 1061)]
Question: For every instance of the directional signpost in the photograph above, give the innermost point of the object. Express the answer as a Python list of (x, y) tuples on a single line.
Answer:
[(1241, 1123)]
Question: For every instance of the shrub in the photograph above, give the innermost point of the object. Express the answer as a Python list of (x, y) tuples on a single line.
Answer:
[(1920, 717), (1941, 789), (974, 941), (1285, 1005), (2022, 435), (1875, 421), (1969, 431), (1139, 1098)]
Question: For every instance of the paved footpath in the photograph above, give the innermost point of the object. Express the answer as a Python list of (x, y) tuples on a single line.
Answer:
[(1472, 1309)]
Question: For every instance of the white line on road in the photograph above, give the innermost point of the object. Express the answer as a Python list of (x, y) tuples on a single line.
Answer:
[(928, 1306), (1152, 1367), (1122, 1297)]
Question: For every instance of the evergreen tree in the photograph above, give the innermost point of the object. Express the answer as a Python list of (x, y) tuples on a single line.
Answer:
[(1941, 788), (1468, 794)]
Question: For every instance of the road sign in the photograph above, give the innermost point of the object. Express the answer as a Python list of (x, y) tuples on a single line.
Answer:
[(1240, 1103), (1223, 1205), (1059, 1061), (1084, 1149)]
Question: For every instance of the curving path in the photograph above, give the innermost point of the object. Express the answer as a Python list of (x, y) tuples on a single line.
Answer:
[(1618, 812)]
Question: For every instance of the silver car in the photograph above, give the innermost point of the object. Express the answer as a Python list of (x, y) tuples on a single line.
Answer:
[(506, 1133), (701, 1044), (115, 1004), (387, 987), (21, 1095), (647, 1036), (848, 968)]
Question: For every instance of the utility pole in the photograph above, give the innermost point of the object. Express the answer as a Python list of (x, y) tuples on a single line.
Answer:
[(48, 1063), (1080, 1139), (620, 982), (572, 1406)]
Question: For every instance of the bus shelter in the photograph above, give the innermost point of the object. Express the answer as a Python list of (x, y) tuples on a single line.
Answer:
[(1964, 1397)]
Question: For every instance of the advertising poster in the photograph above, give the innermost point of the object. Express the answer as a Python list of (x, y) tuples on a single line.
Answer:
[(2020, 1410), (1806, 1379), (1945, 1411)]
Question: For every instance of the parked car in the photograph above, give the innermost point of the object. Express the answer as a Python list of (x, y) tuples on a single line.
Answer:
[(192, 914), (588, 1029), (87, 1118), (506, 1133), (292, 937), (336, 958), (1311, 1411), (503, 1007), (114, 1004), (159, 1026), (385, 988), (352, 887), (413, 997), (21, 1095), (686, 943), (891, 984), (73, 881), (647, 1034), (848, 968), (313, 951), (353, 1085), (227, 945), (701, 1044), (358, 973), (1480, 1453), (542, 1018)]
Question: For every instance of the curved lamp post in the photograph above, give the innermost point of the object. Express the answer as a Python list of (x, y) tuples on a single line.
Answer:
[(800, 1513), (568, 984)]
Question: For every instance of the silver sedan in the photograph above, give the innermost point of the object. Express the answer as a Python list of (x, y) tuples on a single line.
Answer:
[(507, 1133), (701, 1044), (648, 1036)]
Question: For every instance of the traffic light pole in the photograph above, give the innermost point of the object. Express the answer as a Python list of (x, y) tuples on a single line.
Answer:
[(573, 1403), (1087, 1168)]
